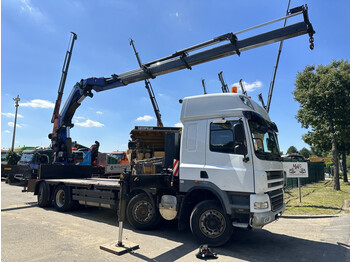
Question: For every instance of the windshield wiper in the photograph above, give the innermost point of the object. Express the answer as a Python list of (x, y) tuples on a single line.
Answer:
[(268, 156), (263, 154)]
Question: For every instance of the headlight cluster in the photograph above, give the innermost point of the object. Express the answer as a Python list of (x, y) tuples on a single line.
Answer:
[(261, 205)]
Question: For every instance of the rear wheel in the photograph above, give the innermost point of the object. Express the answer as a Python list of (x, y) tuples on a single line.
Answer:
[(44, 195), (63, 198), (141, 213), (210, 224)]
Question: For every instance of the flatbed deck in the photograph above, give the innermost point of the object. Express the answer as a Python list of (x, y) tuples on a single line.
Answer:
[(97, 183)]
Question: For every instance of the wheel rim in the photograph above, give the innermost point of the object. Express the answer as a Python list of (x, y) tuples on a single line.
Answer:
[(142, 212), (60, 198), (212, 223)]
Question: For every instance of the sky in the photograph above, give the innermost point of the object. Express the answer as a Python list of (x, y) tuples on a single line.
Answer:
[(35, 36)]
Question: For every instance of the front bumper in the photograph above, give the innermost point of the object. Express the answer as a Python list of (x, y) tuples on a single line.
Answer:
[(261, 219)]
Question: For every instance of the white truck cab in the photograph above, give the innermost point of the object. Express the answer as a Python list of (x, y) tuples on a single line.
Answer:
[(229, 148)]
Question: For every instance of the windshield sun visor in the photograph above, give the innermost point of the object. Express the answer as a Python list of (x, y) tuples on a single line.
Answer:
[(257, 118)]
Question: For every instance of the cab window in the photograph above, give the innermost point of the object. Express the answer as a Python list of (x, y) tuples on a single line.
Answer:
[(223, 138)]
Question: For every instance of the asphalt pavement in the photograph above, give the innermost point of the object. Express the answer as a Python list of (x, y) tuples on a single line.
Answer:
[(30, 233)]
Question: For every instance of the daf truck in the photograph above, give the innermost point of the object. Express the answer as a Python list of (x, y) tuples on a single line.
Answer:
[(220, 171)]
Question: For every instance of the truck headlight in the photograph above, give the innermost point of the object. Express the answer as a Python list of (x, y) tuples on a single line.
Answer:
[(261, 205)]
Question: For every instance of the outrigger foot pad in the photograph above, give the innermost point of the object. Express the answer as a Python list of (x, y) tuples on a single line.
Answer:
[(205, 252), (117, 249)]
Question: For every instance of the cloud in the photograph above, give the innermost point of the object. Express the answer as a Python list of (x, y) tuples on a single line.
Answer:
[(11, 115), (34, 12), (179, 125), (163, 96), (145, 118), (176, 15), (77, 118), (249, 87), (26, 6), (89, 123), (99, 112), (38, 103), (7, 131), (11, 124)]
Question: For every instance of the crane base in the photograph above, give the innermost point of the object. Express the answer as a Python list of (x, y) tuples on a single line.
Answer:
[(120, 250)]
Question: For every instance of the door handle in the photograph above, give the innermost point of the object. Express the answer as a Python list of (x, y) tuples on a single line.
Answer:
[(204, 174)]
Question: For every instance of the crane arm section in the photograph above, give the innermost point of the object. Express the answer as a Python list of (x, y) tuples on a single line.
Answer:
[(149, 90), (182, 59), (55, 115)]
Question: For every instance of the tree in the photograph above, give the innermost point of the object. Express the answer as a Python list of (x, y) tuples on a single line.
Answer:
[(344, 149), (292, 149), (314, 151), (319, 142), (324, 97), (320, 146), (305, 152), (12, 158)]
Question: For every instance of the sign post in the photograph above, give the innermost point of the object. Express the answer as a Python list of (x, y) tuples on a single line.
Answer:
[(296, 170), (299, 190)]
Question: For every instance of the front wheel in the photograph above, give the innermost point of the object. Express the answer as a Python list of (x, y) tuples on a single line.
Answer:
[(62, 198), (210, 224), (141, 213)]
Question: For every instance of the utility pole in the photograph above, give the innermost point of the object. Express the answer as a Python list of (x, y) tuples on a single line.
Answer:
[(17, 99)]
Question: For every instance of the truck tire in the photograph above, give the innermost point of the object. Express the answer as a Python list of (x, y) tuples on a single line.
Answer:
[(210, 224), (62, 198), (141, 213), (44, 195)]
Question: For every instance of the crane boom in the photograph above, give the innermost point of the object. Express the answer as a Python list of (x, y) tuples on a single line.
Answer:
[(183, 59), (244, 92), (223, 84), (203, 84), (272, 83), (149, 89), (65, 67)]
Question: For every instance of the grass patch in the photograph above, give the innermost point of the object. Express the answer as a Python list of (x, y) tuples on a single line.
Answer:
[(317, 199)]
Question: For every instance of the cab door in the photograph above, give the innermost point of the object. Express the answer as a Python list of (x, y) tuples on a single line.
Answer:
[(228, 162)]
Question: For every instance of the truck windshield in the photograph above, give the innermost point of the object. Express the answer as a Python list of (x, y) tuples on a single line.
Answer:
[(117, 156), (264, 141), (3, 156), (26, 158)]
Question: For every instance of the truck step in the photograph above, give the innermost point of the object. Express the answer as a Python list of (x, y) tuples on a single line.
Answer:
[(240, 225)]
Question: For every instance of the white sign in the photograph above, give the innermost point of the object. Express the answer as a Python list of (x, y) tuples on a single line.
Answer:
[(116, 168), (296, 169)]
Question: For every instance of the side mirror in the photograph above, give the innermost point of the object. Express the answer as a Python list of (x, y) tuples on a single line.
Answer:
[(240, 149), (43, 159)]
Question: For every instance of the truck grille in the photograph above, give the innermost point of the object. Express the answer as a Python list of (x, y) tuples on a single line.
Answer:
[(280, 183), (276, 199), (272, 176)]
